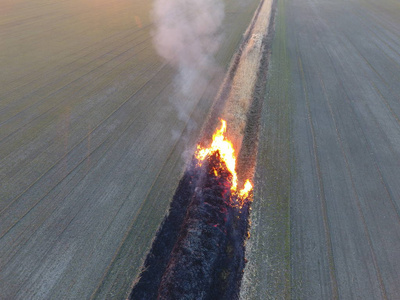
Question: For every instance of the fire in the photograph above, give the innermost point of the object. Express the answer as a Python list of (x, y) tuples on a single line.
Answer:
[(225, 149), (244, 193), (227, 153)]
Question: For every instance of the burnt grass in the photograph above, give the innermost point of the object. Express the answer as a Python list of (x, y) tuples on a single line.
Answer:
[(198, 252)]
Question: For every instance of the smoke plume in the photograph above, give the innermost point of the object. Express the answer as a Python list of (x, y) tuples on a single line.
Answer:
[(187, 36)]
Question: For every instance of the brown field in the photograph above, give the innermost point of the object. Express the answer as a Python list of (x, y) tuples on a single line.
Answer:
[(326, 217), (91, 143), (94, 137)]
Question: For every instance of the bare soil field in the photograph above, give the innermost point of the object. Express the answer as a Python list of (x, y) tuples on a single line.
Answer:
[(91, 143), (326, 209)]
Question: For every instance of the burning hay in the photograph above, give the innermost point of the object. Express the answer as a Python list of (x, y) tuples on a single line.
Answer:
[(205, 254)]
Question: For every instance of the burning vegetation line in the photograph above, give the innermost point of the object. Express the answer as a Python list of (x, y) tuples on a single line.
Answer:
[(199, 251), (227, 155)]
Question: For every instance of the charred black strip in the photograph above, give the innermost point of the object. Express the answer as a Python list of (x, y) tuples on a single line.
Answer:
[(207, 258), (167, 235), (191, 270)]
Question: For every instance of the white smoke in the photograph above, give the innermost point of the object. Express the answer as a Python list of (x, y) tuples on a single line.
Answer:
[(187, 36)]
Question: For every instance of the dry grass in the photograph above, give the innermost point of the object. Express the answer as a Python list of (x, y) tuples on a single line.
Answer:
[(243, 83)]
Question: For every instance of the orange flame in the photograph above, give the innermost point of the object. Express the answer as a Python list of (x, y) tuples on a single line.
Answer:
[(226, 151), (244, 193), (227, 154)]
